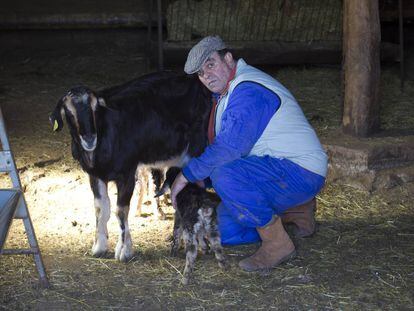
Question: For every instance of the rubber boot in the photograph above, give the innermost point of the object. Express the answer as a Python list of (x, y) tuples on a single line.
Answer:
[(276, 248), (303, 217)]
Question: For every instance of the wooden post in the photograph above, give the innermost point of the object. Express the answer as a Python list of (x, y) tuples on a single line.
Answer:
[(160, 38), (401, 41), (361, 48)]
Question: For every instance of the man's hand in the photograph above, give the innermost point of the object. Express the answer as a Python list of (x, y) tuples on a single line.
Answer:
[(179, 183)]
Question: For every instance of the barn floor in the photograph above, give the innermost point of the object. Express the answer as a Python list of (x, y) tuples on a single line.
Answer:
[(361, 258)]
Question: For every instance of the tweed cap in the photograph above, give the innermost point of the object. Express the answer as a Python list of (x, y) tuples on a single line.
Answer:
[(201, 51)]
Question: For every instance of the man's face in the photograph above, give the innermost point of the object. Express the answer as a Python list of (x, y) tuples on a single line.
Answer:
[(215, 72)]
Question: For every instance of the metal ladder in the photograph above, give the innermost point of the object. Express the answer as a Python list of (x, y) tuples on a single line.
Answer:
[(13, 205)]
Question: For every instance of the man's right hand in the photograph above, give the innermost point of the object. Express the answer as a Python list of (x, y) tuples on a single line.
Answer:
[(179, 183)]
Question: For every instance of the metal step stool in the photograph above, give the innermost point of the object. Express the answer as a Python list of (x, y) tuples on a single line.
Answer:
[(13, 205)]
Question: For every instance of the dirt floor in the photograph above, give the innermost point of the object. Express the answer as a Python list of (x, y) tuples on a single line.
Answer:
[(361, 258)]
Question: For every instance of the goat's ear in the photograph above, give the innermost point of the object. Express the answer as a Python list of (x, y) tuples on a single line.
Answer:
[(101, 102), (55, 118)]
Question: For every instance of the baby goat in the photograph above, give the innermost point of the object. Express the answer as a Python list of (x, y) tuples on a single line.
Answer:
[(195, 222)]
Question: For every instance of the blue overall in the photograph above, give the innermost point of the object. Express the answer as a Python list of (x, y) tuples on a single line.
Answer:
[(252, 188)]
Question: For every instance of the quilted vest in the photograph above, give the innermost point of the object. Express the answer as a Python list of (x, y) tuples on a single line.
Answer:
[(288, 134)]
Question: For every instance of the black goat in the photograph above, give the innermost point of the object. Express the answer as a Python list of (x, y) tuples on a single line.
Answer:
[(195, 222), (160, 118)]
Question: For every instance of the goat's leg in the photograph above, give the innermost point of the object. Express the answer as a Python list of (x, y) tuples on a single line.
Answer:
[(215, 244), (177, 233), (123, 249), (157, 178), (142, 188), (102, 213), (191, 246), (201, 236)]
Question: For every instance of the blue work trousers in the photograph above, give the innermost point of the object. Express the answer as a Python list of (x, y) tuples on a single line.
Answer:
[(253, 189)]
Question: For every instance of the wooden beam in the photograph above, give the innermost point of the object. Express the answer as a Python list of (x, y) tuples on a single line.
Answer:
[(361, 57)]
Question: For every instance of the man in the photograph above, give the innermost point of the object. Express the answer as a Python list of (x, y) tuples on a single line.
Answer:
[(264, 159)]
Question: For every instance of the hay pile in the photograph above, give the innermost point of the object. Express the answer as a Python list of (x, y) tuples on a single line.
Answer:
[(255, 20)]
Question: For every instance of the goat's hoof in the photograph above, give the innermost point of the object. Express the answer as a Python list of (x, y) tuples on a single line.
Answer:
[(124, 257), (98, 251), (98, 254), (123, 254), (100, 246)]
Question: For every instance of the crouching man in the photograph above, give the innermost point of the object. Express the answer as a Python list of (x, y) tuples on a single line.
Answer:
[(264, 158)]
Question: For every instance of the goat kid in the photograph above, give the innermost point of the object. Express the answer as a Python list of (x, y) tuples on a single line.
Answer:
[(160, 118), (195, 222)]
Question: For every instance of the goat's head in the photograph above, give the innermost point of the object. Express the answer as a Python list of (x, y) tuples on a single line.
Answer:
[(79, 107)]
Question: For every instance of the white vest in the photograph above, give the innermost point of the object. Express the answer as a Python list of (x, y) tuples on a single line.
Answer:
[(288, 134)]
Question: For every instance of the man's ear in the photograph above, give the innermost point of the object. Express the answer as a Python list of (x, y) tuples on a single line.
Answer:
[(228, 57), (55, 118)]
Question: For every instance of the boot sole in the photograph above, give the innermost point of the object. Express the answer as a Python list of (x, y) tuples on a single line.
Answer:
[(282, 260)]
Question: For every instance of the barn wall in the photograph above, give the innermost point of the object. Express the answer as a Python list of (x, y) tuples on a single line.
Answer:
[(70, 14), (73, 25), (122, 24)]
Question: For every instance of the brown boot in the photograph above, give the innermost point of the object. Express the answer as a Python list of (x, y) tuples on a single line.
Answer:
[(276, 248), (303, 217)]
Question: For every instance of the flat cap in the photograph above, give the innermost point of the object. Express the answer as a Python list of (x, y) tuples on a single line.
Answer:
[(201, 51)]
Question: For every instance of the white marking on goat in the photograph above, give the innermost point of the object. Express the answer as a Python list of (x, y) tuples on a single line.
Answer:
[(85, 144), (101, 102), (69, 105), (102, 213), (85, 97), (94, 103), (178, 161), (123, 249)]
